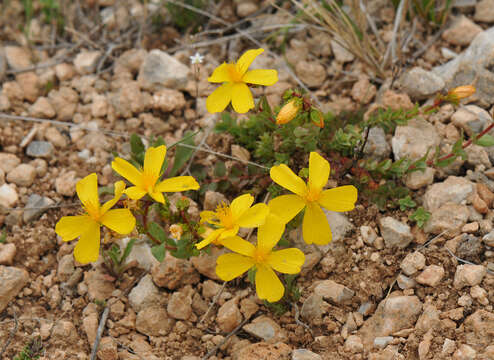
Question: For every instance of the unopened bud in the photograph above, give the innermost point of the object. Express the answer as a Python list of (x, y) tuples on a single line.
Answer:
[(462, 92), (317, 118), (176, 231), (287, 113)]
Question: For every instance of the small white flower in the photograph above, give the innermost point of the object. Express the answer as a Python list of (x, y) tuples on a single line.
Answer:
[(196, 58)]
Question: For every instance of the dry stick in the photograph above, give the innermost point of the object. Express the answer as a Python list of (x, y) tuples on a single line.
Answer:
[(11, 336), (466, 261), (101, 328), (391, 50), (297, 315), (215, 299)]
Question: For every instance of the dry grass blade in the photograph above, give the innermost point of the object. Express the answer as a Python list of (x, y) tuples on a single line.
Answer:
[(348, 29)]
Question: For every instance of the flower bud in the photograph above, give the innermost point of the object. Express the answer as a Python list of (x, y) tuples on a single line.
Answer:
[(176, 231), (317, 118), (288, 112), (462, 92)]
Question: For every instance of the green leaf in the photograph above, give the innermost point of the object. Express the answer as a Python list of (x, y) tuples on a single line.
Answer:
[(136, 145), (159, 252), (157, 232), (406, 203), (445, 162), (486, 140), (183, 154), (219, 169), (420, 216), (127, 250)]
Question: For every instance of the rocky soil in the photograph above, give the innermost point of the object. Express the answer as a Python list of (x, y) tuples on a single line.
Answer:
[(383, 289)]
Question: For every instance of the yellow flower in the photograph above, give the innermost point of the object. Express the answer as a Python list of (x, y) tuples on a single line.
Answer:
[(235, 78), (146, 180), (87, 226), (288, 113), (268, 286), (228, 219), (310, 197)]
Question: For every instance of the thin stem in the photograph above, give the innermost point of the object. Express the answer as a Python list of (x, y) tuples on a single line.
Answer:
[(145, 225)]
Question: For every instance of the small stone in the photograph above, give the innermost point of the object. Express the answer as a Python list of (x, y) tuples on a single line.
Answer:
[(140, 255), (311, 73), (465, 352), (412, 263), (485, 194), (8, 196), (420, 179), (465, 301), (382, 341), (240, 153), (431, 276), (66, 267), (248, 307), (30, 85), (340, 53), (42, 149), (484, 11), (22, 175), (404, 282), (421, 84), (4, 102), (154, 321), (424, 345), (395, 233), (64, 330), (160, 70), (7, 253), (479, 205), (468, 275), (35, 207), (86, 61), (144, 294), (99, 286), (8, 162), (377, 146), (168, 100), (17, 57), (428, 320), (265, 329), (229, 316), (54, 136), (368, 234), (337, 293), (65, 101), (65, 183), (461, 32), (354, 344), (449, 346), (246, 8), (64, 71), (313, 307), (264, 351), (179, 306), (415, 139), (210, 289), (173, 272), (99, 107), (13, 280), (42, 108), (479, 294), (471, 118), (471, 248), (488, 239), (107, 349), (212, 199), (304, 354), (363, 91), (396, 101), (449, 217)]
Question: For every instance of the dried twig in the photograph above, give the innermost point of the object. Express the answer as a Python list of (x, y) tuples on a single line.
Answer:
[(101, 328), (11, 336), (297, 320), (215, 299)]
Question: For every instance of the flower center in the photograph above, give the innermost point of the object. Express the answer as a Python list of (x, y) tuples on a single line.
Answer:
[(312, 194), (260, 257), (235, 75), (225, 216), (93, 210), (148, 181)]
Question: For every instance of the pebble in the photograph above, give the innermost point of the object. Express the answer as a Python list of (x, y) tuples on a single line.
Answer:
[(377, 146), (42, 108), (485, 194), (420, 179), (210, 289), (479, 294), (414, 139), (431, 276), (154, 321), (363, 92), (311, 73), (85, 62), (8, 196), (229, 316), (449, 217), (248, 307), (4, 103), (264, 351), (65, 101), (341, 54), (404, 282), (7, 253), (488, 239), (465, 352), (29, 83), (17, 57), (381, 342), (173, 273), (304, 354), (421, 84), (54, 136), (22, 175), (66, 267), (206, 264), (412, 263), (479, 205), (64, 71), (241, 153), (471, 248), (484, 11), (40, 149), (168, 100), (99, 286), (179, 306), (313, 307), (468, 275), (354, 344), (65, 183), (36, 206), (471, 118), (107, 349), (428, 319), (461, 31), (13, 280), (8, 162), (449, 347), (395, 233), (333, 291), (453, 189), (144, 294), (246, 8), (160, 70), (140, 255), (266, 329), (368, 234)]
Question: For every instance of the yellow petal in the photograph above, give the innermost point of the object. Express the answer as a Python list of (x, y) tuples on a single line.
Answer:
[(253, 217), (340, 199), (268, 286), (269, 233), (261, 77), (87, 248), (207, 215), (135, 193), (220, 74), (230, 266), (119, 220), (209, 239), (229, 232), (70, 227), (153, 161), (284, 176), (87, 191), (157, 196), (242, 100), (287, 261), (220, 98), (315, 227), (246, 59), (318, 171), (176, 184), (127, 171), (286, 207), (118, 189), (239, 245), (241, 204)]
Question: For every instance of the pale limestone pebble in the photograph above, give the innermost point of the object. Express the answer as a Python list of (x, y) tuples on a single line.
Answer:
[(210, 289), (488, 239), (363, 91), (173, 273), (64, 71), (404, 282), (354, 344), (311, 73), (8, 162), (168, 100), (429, 319), (144, 294), (64, 330), (17, 57), (2, 177), (449, 217), (333, 291), (311, 260), (368, 234), (30, 85), (246, 8), (8, 196), (465, 352), (478, 156), (65, 183), (241, 153), (55, 137), (420, 84), (304, 354), (85, 62), (66, 267), (13, 91), (396, 101), (107, 349), (263, 350), (313, 307), (449, 346), (461, 31), (479, 205), (395, 233), (154, 321), (479, 328), (13, 281), (468, 275), (160, 70), (340, 53), (22, 175), (99, 286), (420, 179), (471, 118), (180, 305), (7, 253), (479, 294), (141, 255), (470, 228), (54, 297), (65, 101), (4, 103), (129, 100), (99, 106), (248, 307), (266, 329), (130, 61), (484, 11), (424, 345), (206, 264), (392, 315), (415, 139), (229, 316), (431, 275), (453, 189), (42, 108), (412, 263)]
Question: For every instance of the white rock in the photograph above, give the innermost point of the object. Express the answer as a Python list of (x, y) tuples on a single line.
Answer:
[(395, 233), (412, 263), (354, 344), (414, 139), (42, 108), (484, 11), (144, 294), (337, 293), (22, 175), (421, 84), (468, 275), (8, 162), (465, 352), (419, 179), (340, 53), (85, 62), (160, 70), (461, 31), (304, 354), (449, 217), (7, 253), (13, 280), (17, 57), (8, 196), (454, 189)]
